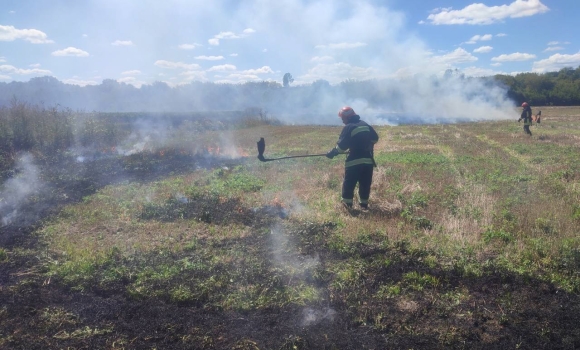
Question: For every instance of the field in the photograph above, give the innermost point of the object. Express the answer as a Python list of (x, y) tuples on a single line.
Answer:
[(472, 241)]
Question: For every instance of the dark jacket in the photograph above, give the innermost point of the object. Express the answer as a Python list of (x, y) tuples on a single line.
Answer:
[(527, 115), (358, 138)]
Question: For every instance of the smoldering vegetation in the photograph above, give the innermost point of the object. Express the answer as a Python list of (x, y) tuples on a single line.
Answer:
[(50, 157)]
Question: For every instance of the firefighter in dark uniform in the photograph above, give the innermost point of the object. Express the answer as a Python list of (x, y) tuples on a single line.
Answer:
[(358, 138), (526, 117)]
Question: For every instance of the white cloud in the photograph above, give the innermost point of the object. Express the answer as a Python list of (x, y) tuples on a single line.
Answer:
[(552, 43), (440, 9), (227, 35), (5, 68), (479, 13), (341, 46), (188, 46), (483, 49), (9, 33), (556, 62), (265, 50), (555, 46), (459, 55), (131, 80), (234, 55), (321, 59), (477, 38), (122, 43), (209, 58), (2, 59), (484, 37), (501, 34), (131, 72), (80, 82), (514, 57), (479, 72), (5, 77), (70, 51), (222, 68), (194, 75), (496, 64), (215, 41), (243, 77), (263, 70), (176, 65)]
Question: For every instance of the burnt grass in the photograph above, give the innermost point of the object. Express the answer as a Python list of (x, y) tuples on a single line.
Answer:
[(503, 310)]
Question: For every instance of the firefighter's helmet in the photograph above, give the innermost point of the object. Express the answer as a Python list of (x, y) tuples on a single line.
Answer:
[(346, 112), (525, 104)]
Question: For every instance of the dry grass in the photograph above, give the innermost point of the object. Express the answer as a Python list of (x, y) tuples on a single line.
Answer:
[(466, 177)]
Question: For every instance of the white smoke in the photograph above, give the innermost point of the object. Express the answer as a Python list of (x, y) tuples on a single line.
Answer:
[(286, 257), (146, 135), (16, 190), (368, 41), (312, 316)]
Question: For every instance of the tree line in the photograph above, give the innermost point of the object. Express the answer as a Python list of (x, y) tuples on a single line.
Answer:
[(560, 88)]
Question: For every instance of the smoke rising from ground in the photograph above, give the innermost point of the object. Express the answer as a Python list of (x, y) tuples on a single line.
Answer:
[(15, 192), (286, 257), (408, 83)]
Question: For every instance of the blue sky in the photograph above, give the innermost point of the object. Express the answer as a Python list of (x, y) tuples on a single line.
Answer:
[(178, 41)]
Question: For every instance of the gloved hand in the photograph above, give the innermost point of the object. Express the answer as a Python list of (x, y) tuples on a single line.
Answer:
[(519, 120), (332, 153)]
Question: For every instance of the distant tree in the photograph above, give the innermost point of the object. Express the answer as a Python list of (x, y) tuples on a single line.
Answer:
[(287, 80)]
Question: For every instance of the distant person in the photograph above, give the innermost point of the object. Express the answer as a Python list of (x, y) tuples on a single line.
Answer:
[(539, 117), (526, 117), (358, 138)]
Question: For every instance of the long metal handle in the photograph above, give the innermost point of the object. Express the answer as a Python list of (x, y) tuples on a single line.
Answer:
[(261, 157)]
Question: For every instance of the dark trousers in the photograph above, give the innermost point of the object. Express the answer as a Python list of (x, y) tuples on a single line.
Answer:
[(527, 129), (361, 174)]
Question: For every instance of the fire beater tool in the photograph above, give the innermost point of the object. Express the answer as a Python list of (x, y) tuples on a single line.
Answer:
[(262, 148)]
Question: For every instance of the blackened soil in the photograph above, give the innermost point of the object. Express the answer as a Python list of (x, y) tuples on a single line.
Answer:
[(500, 310)]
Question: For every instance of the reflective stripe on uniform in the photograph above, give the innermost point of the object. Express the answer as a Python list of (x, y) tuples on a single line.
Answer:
[(359, 129), (347, 201), (359, 161)]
